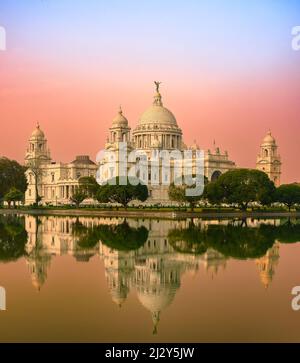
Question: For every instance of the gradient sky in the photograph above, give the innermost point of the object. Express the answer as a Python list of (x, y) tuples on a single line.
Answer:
[(228, 70)]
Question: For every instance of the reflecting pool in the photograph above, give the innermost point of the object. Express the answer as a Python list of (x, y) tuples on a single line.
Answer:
[(91, 279)]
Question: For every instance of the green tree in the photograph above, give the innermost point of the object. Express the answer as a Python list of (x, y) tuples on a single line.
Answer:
[(178, 193), (214, 193), (288, 194), (89, 185), (12, 175), (78, 197), (242, 186), (13, 196), (122, 194)]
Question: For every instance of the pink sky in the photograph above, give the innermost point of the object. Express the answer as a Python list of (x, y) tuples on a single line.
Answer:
[(232, 92)]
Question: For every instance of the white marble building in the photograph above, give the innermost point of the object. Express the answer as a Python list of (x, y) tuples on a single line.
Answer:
[(157, 130)]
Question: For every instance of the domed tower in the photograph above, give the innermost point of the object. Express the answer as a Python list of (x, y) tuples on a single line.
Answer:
[(38, 265), (114, 161), (119, 131), (119, 266), (269, 160), (157, 128), (37, 150)]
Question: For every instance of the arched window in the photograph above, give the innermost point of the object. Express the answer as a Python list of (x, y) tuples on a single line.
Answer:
[(266, 153), (216, 174)]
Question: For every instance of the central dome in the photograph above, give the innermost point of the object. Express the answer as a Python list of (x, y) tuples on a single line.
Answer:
[(157, 127), (158, 115)]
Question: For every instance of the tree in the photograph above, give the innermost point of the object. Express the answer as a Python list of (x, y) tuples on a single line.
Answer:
[(242, 186), (35, 167), (89, 185), (288, 194), (13, 196), (214, 193), (122, 194), (12, 175), (178, 193), (78, 197)]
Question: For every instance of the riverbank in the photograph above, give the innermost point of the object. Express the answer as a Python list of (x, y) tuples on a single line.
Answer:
[(144, 213)]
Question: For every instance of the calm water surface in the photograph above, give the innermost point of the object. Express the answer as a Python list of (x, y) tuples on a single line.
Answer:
[(84, 279)]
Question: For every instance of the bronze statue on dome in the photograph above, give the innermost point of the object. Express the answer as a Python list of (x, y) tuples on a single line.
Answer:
[(157, 84)]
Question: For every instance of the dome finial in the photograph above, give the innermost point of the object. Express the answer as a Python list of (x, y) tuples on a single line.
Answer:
[(37, 125), (120, 110)]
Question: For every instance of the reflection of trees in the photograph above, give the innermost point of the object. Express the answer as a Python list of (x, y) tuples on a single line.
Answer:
[(288, 232), (121, 237), (13, 238), (240, 242), (235, 241), (190, 240)]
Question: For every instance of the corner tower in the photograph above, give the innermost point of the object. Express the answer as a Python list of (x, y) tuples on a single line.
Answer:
[(268, 160), (37, 150)]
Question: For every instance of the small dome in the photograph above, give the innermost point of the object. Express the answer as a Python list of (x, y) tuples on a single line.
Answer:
[(269, 139), (37, 133), (195, 146), (120, 119)]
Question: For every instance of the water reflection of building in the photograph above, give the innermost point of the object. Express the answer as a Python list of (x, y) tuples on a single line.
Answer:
[(154, 270), (267, 264), (48, 237)]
